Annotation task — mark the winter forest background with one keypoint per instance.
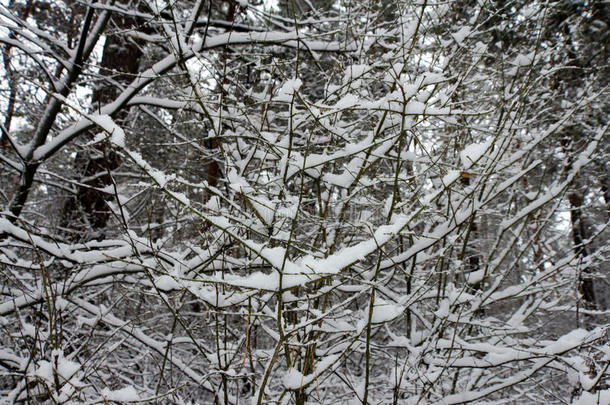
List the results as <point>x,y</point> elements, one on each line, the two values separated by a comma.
<point>304,201</point>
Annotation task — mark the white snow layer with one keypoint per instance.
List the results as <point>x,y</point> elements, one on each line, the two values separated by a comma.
<point>117,135</point>
<point>472,153</point>
<point>588,398</point>
<point>125,394</point>
<point>288,90</point>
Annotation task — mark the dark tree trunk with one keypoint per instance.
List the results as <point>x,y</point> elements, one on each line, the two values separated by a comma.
<point>580,234</point>
<point>120,60</point>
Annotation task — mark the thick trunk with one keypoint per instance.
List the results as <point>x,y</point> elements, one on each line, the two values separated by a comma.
<point>580,235</point>
<point>119,64</point>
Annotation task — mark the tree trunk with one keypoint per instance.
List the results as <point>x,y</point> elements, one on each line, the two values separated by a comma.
<point>580,234</point>
<point>120,59</point>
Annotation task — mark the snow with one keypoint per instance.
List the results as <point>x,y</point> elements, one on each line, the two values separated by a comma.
<point>167,283</point>
<point>443,309</point>
<point>385,312</point>
<point>433,78</point>
<point>415,107</point>
<point>308,268</point>
<point>275,256</point>
<point>524,60</point>
<point>104,121</point>
<point>158,176</point>
<point>236,252</point>
<point>266,209</point>
<point>60,365</point>
<point>450,177</point>
<point>347,101</point>
<point>340,180</point>
<point>294,379</point>
<point>288,90</point>
<point>44,371</point>
<point>472,153</point>
<point>354,71</point>
<point>606,351</point>
<point>568,341</point>
<point>126,394</point>
<point>237,182</point>
<point>460,35</point>
<point>407,91</point>
<point>475,277</point>
<point>587,398</point>
<point>283,38</point>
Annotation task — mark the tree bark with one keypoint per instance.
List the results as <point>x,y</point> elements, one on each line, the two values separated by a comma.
<point>120,61</point>
<point>581,234</point>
